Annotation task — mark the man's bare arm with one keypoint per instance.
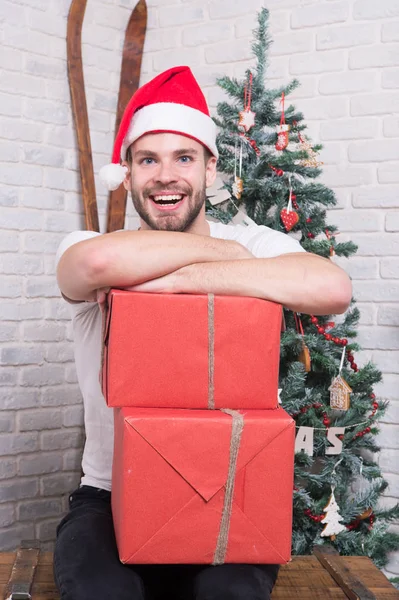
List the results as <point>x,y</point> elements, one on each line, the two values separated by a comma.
<point>302,282</point>
<point>126,258</point>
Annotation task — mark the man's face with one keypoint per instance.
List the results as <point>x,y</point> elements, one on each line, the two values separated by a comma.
<point>168,178</point>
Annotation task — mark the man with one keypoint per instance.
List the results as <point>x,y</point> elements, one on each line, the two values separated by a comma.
<point>167,145</point>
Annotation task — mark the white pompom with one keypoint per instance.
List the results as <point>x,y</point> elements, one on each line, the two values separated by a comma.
<point>112,175</point>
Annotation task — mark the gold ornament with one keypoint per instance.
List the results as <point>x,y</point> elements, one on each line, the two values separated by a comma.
<point>339,394</point>
<point>366,514</point>
<point>238,187</point>
<point>304,357</point>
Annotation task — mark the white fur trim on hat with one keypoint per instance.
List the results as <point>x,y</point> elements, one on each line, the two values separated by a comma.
<point>112,175</point>
<point>168,116</point>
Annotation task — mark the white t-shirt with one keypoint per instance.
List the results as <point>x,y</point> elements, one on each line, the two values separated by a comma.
<point>262,241</point>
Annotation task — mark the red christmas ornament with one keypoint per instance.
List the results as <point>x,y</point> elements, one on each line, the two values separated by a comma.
<point>282,139</point>
<point>289,218</point>
<point>282,132</point>
<point>310,235</point>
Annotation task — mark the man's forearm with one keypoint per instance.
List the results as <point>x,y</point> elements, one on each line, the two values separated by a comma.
<point>302,282</point>
<point>127,258</point>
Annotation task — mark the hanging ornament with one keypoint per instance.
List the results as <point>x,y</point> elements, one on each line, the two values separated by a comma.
<point>304,355</point>
<point>288,215</point>
<point>247,116</point>
<point>238,185</point>
<point>282,131</point>
<point>332,519</point>
<point>331,240</point>
<point>311,159</point>
<point>340,390</point>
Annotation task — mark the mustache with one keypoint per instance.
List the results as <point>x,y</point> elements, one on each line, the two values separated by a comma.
<point>186,190</point>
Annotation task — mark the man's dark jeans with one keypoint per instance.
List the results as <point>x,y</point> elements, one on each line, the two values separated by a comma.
<point>87,566</point>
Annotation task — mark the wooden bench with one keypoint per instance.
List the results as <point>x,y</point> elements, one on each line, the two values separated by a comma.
<point>304,578</point>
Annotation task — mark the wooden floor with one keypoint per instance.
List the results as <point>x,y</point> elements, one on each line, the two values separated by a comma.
<point>302,579</point>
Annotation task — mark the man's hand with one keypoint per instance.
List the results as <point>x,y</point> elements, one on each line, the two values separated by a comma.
<point>101,294</point>
<point>167,284</point>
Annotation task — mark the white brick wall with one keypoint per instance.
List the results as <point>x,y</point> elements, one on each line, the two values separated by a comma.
<point>346,54</point>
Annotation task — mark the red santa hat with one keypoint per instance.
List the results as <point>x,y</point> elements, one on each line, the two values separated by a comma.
<point>171,102</point>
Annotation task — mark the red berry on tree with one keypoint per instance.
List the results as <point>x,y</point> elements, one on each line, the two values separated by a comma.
<point>344,342</point>
<point>328,337</point>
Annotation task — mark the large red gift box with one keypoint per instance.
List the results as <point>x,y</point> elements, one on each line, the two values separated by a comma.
<point>203,487</point>
<point>190,351</point>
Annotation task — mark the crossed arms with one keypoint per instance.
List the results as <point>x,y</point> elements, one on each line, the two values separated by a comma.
<point>163,261</point>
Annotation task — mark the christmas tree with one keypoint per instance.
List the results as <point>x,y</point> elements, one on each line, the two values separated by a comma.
<point>269,168</point>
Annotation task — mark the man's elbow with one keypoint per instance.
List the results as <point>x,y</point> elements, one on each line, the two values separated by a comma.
<point>341,293</point>
<point>80,272</point>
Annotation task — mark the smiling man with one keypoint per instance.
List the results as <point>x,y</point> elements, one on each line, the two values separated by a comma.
<point>165,154</point>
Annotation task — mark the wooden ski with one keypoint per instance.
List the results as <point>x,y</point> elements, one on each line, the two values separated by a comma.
<point>346,578</point>
<point>79,111</point>
<point>129,82</point>
<point>20,582</point>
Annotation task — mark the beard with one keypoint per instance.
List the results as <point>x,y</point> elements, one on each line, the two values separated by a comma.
<point>171,222</point>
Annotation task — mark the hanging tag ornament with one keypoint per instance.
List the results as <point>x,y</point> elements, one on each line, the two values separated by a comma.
<point>247,116</point>
<point>282,131</point>
<point>288,216</point>
<point>340,390</point>
<point>238,185</point>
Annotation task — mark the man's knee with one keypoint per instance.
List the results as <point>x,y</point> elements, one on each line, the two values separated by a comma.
<point>235,582</point>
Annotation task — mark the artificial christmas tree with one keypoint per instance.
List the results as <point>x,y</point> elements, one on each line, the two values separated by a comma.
<point>266,158</point>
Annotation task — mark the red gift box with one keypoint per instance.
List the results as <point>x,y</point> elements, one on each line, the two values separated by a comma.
<point>190,351</point>
<point>178,496</point>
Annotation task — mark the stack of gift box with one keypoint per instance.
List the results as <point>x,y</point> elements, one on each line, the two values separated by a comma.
<point>203,455</point>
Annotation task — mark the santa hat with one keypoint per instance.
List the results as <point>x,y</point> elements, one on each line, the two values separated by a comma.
<point>171,102</point>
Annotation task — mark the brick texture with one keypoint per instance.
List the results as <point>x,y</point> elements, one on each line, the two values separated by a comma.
<point>346,55</point>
